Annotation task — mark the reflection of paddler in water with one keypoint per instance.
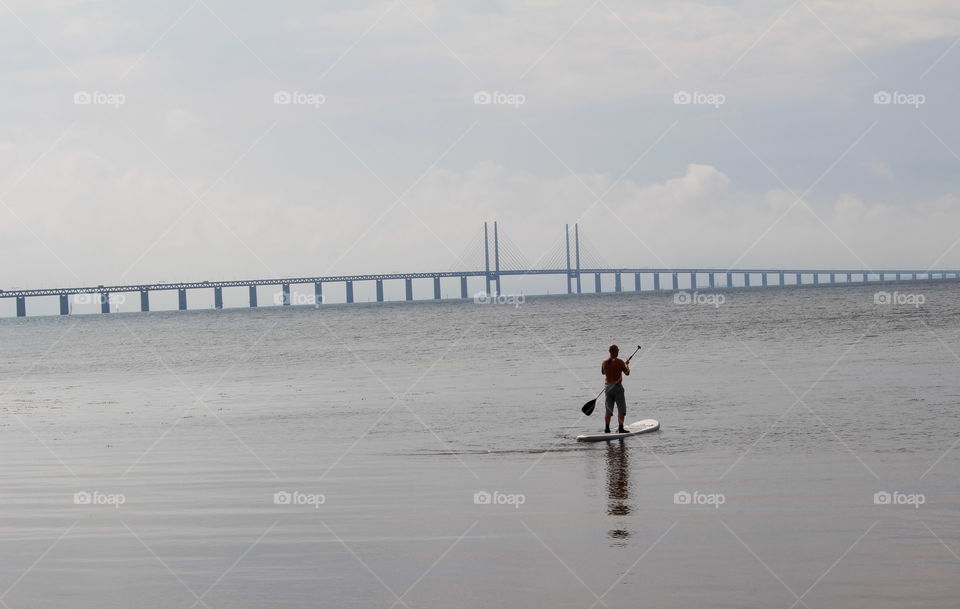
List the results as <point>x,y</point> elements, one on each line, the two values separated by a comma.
<point>618,486</point>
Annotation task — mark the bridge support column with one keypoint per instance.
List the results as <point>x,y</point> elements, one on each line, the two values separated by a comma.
<point>64,304</point>
<point>218,298</point>
<point>675,282</point>
<point>144,301</point>
<point>436,287</point>
<point>693,280</point>
<point>21,306</point>
<point>104,302</point>
<point>781,278</point>
<point>746,280</point>
<point>379,290</point>
<point>712,281</point>
<point>729,280</point>
<point>181,299</point>
<point>596,281</point>
<point>833,278</point>
<point>285,294</point>
<point>463,287</point>
<point>864,277</point>
<point>914,277</point>
<point>849,277</point>
<point>898,276</point>
<point>349,291</point>
<point>636,282</point>
<point>798,279</point>
<point>617,286</point>
<point>408,288</point>
<point>318,293</point>
<point>253,295</point>
<point>763,279</point>
<point>656,282</point>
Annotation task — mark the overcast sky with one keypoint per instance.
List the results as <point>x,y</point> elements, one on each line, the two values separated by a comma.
<point>183,166</point>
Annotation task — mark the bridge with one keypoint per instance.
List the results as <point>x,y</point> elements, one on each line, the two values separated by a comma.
<point>572,259</point>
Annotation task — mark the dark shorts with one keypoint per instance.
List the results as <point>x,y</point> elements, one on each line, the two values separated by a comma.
<point>616,396</point>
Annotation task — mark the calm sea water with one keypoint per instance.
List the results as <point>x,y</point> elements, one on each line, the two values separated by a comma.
<point>343,457</point>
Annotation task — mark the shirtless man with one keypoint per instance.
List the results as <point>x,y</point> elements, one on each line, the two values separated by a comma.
<point>613,368</point>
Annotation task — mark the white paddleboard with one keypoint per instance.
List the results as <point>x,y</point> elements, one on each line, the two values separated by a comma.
<point>633,429</point>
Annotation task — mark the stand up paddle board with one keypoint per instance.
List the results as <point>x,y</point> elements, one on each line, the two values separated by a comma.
<point>633,429</point>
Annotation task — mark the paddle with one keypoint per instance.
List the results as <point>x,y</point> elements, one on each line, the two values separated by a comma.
<point>589,406</point>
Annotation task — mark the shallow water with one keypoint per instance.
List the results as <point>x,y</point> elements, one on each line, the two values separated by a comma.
<point>790,408</point>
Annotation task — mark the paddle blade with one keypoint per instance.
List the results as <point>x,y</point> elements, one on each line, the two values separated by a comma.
<point>588,407</point>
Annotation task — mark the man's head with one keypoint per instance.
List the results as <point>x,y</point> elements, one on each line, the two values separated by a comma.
<point>614,351</point>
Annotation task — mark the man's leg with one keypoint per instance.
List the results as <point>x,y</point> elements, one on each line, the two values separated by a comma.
<point>609,399</point>
<point>621,409</point>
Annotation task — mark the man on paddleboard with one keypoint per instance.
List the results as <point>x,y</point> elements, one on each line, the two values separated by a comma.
<point>613,368</point>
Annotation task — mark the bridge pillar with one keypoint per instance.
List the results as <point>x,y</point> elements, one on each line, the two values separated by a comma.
<point>763,279</point>
<point>182,299</point>
<point>285,294</point>
<point>914,277</point>
<point>816,279</point>
<point>253,295</point>
<point>617,286</point>
<point>596,281</point>
<point>675,283</point>
<point>798,279</point>
<point>318,293</point>
<point>349,291</point>
<point>746,280</point>
<point>781,279</point>
<point>21,306</point>
<point>693,280</point>
<point>218,298</point>
<point>379,290</point>
<point>833,278</point>
<point>104,302</point>
<point>64,304</point>
<point>463,286</point>
<point>712,281</point>
<point>436,287</point>
<point>408,288</point>
<point>144,301</point>
<point>849,277</point>
<point>729,280</point>
<point>898,276</point>
<point>656,282</point>
<point>636,282</point>
<point>864,278</point>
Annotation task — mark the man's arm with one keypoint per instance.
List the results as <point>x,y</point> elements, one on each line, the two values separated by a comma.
<point>626,368</point>
<point>603,366</point>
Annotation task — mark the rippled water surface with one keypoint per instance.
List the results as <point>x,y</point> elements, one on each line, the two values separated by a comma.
<point>783,413</point>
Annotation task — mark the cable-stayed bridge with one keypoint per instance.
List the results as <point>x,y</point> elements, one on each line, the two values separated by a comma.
<point>495,256</point>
